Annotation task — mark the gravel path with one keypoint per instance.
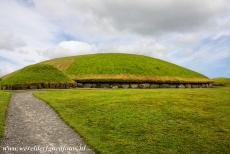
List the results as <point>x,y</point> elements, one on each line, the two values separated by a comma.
<point>32,123</point>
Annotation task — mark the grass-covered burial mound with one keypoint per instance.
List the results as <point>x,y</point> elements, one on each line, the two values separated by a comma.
<point>106,70</point>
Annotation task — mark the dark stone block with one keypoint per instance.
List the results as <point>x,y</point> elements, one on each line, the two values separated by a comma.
<point>80,85</point>
<point>67,86</point>
<point>180,86</point>
<point>87,85</point>
<point>114,86</point>
<point>194,85</point>
<point>46,85</point>
<point>52,85</point>
<point>203,85</point>
<point>39,86</point>
<point>24,86</point>
<point>125,85</point>
<point>188,85</point>
<point>104,85</point>
<point>4,87</point>
<point>32,86</point>
<point>9,87</point>
<point>164,85</point>
<point>172,85</point>
<point>72,85</point>
<point>120,85</point>
<point>199,85</point>
<point>63,85</point>
<point>133,85</point>
<point>94,85</point>
<point>144,85</point>
<point>154,85</point>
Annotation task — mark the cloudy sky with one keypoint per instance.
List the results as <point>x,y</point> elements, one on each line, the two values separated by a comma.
<point>191,33</point>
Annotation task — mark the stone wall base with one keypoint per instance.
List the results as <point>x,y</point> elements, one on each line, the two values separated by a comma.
<point>38,86</point>
<point>143,85</point>
<point>103,85</point>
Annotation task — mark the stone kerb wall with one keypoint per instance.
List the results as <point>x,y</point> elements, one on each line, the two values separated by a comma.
<point>142,85</point>
<point>38,86</point>
<point>103,85</point>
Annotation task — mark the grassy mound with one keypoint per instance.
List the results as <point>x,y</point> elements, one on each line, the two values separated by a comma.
<point>117,66</point>
<point>221,81</point>
<point>38,73</point>
<point>103,67</point>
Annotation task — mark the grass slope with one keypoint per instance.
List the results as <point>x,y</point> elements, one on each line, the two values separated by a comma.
<point>103,67</point>
<point>4,99</point>
<point>38,73</point>
<point>147,121</point>
<point>222,81</point>
<point>110,65</point>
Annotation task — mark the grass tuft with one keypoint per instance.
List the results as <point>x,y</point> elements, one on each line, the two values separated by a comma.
<point>4,99</point>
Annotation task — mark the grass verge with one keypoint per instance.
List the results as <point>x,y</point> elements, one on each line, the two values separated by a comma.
<point>147,120</point>
<point>222,82</point>
<point>4,99</point>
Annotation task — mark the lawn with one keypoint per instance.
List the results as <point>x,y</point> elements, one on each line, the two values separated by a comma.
<point>222,82</point>
<point>4,99</point>
<point>147,120</point>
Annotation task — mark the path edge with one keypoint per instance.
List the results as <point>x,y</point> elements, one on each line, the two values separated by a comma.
<point>68,124</point>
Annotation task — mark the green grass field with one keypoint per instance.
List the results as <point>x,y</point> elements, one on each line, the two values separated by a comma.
<point>147,120</point>
<point>4,99</point>
<point>222,81</point>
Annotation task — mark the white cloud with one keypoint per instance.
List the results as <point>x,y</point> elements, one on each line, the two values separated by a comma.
<point>70,48</point>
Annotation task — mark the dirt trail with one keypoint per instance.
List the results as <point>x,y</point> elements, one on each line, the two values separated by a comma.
<point>31,122</point>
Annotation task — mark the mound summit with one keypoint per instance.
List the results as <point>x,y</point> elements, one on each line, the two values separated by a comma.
<point>103,70</point>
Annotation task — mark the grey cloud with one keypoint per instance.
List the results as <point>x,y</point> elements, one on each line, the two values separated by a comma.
<point>153,16</point>
<point>9,42</point>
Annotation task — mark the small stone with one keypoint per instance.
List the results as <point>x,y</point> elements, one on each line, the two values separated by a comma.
<point>125,85</point>
<point>164,85</point>
<point>154,85</point>
<point>194,86</point>
<point>181,86</point>
<point>133,85</point>
<point>144,85</point>
<point>188,85</point>
<point>79,85</point>
<point>114,86</point>
<point>87,85</point>
<point>104,85</point>
<point>172,86</point>
<point>52,85</point>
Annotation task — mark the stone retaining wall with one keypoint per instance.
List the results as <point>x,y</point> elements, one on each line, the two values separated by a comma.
<point>38,86</point>
<point>142,85</point>
<point>103,85</point>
